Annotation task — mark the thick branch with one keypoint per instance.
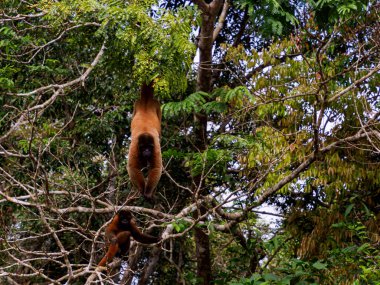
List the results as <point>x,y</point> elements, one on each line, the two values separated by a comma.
<point>221,20</point>
<point>70,83</point>
<point>355,84</point>
<point>202,5</point>
<point>259,68</point>
<point>237,217</point>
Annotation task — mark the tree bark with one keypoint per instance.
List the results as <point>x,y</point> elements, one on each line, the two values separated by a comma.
<point>202,244</point>
<point>150,266</point>
<point>205,43</point>
<point>134,256</point>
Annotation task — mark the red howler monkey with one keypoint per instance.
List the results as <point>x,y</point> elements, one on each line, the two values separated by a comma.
<point>118,235</point>
<point>145,149</point>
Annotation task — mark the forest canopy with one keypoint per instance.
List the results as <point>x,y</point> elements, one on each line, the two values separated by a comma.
<point>270,108</point>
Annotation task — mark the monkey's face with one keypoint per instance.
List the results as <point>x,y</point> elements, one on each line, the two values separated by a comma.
<point>124,219</point>
<point>124,223</point>
<point>146,150</point>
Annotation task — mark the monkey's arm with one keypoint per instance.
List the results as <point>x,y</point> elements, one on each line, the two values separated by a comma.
<point>112,229</point>
<point>141,237</point>
<point>134,109</point>
<point>111,239</point>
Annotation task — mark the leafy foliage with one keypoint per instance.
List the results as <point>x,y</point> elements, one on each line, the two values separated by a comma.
<point>292,123</point>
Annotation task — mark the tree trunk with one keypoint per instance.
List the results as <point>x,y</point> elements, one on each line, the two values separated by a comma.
<point>134,256</point>
<point>202,243</point>
<point>150,266</point>
<point>205,44</point>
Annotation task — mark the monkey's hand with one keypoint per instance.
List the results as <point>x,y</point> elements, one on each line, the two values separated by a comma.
<point>113,240</point>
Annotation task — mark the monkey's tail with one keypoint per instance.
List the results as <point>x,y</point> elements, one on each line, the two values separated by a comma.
<point>147,91</point>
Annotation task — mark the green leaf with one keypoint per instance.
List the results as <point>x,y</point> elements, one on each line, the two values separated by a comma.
<point>319,265</point>
<point>193,103</point>
<point>270,277</point>
<point>364,247</point>
<point>348,210</point>
<point>6,83</point>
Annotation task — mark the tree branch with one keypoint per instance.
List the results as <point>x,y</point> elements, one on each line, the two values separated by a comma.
<point>59,88</point>
<point>202,5</point>
<point>354,84</point>
<point>221,20</point>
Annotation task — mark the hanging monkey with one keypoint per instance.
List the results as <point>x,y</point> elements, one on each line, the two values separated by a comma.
<point>145,149</point>
<point>118,235</point>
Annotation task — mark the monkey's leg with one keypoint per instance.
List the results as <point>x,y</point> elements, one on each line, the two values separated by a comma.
<point>154,175</point>
<point>134,167</point>
<point>112,250</point>
<point>152,181</point>
<point>121,242</point>
<point>137,178</point>
<point>124,240</point>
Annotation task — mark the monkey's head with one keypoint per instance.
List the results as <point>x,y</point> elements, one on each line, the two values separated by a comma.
<point>124,218</point>
<point>146,146</point>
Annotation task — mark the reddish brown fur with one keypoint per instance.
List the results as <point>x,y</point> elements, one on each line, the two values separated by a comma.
<point>146,120</point>
<point>118,236</point>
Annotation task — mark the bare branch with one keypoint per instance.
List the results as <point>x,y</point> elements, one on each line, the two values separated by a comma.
<point>59,89</point>
<point>354,84</point>
<point>221,20</point>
